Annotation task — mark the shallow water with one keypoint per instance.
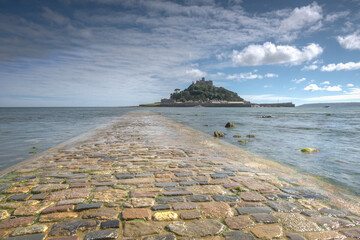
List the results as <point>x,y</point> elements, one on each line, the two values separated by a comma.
<point>278,138</point>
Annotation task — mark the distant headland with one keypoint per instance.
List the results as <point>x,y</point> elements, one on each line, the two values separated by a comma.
<point>203,93</point>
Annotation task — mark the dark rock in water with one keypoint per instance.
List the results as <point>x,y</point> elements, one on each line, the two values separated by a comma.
<point>250,136</point>
<point>206,125</point>
<point>230,125</point>
<point>243,141</point>
<point>236,136</point>
<point>219,134</point>
<point>266,116</point>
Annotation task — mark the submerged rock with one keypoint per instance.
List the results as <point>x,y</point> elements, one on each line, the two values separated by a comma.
<point>309,150</point>
<point>230,125</point>
<point>219,134</point>
<point>266,116</point>
<point>250,136</point>
<point>243,141</point>
<point>236,136</point>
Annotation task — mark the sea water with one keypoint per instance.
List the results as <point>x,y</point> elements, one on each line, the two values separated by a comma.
<point>334,131</point>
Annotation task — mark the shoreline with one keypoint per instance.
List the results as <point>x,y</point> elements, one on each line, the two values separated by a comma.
<point>134,166</point>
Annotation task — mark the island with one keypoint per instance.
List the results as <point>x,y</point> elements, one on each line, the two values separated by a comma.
<point>203,93</point>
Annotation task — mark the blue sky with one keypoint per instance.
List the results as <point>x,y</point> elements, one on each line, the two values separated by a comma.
<point>127,52</point>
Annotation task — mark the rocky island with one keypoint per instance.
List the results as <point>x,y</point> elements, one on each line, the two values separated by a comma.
<point>203,93</point>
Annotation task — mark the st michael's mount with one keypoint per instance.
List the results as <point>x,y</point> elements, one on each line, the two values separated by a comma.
<point>203,93</point>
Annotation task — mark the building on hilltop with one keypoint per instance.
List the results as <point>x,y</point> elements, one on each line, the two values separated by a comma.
<point>204,82</point>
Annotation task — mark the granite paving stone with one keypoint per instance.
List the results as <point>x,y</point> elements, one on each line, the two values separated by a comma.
<point>190,215</point>
<point>28,237</point>
<point>136,213</point>
<point>239,222</point>
<point>164,200</point>
<point>216,210</point>
<point>285,206</point>
<point>250,210</point>
<point>160,207</point>
<point>29,230</point>
<point>293,236</point>
<point>19,197</point>
<point>50,188</point>
<point>252,197</point>
<point>4,214</point>
<point>332,212</point>
<point>70,228</point>
<point>138,229</point>
<point>225,198</point>
<point>161,237</point>
<point>267,231</point>
<point>200,228</point>
<point>87,206</point>
<point>352,233</point>
<point>110,224</point>
<point>165,216</point>
<point>102,214</point>
<point>57,216</point>
<point>198,198</point>
<point>142,202</point>
<point>264,218</point>
<point>101,235</point>
<point>238,235</point>
<point>297,223</point>
<point>325,235</point>
<point>184,206</point>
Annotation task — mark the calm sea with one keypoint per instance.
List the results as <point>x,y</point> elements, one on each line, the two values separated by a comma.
<point>334,131</point>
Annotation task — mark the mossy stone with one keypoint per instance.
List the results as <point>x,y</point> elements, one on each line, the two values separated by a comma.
<point>230,125</point>
<point>309,150</point>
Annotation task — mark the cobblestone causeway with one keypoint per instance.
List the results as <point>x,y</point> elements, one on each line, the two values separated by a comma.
<point>148,177</point>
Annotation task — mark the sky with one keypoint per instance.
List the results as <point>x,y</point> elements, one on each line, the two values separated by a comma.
<point>127,52</point>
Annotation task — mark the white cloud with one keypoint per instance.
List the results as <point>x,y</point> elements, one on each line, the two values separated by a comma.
<point>244,76</point>
<point>310,67</point>
<point>195,73</point>
<point>297,81</point>
<point>353,94</point>
<point>266,98</point>
<point>335,16</point>
<point>341,66</point>
<point>271,75</point>
<point>334,88</point>
<point>269,53</point>
<point>325,83</point>
<point>351,42</point>
<point>313,87</point>
<point>267,86</point>
<point>350,85</point>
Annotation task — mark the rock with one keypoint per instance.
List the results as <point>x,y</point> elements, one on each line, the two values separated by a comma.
<point>29,230</point>
<point>216,210</point>
<point>110,196</point>
<point>225,198</point>
<point>63,208</point>
<point>264,218</point>
<point>163,200</point>
<point>4,214</point>
<point>324,235</point>
<point>57,216</point>
<point>137,229</point>
<point>295,237</point>
<point>238,235</point>
<point>124,176</point>
<point>249,210</point>
<point>267,231</point>
<point>330,223</point>
<point>198,198</point>
<point>87,206</point>
<point>285,206</point>
<point>239,222</point>
<point>102,214</point>
<point>70,201</point>
<point>218,175</point>
<point>190,215</point>
<point>353,233</point>
<point>161,237</point>
<point>218,134</point>
<point>297,223</point>
<point>250,136</point>
<point>266,116</point>
<point>142,202</point>
<point>178,193</point>
<point>70,228</point>
<point>230,125</point>
<point>184,174</point>
<point>209,190</point>
<point>69,194</point>
<point>50,188</point>
<point>236,136</point>
<point>184,206</point>
<point>165,216</point>
<point>243,141</point>
<point>252,197</point>
<point>110,224</point>
<point>200,228</point>
<point>309,150</point>
<point>31,210</point>
<point>166,184</point>
<point>136,213</point>
<point>28,237</point>
<point>101,235</point>
<point>332,212</point>
<point>160,207</point>
<point>19,197</point>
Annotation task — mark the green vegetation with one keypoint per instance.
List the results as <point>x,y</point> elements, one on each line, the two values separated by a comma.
<point>309,150</point>
<point>230,125</point>
<point>204,92</point>
<point>152,104</point>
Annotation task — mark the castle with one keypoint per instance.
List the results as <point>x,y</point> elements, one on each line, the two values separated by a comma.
<point>204,82</point>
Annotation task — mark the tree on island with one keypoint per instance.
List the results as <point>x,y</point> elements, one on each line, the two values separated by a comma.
<point>204,93</point>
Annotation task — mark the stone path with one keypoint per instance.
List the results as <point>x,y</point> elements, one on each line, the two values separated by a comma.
<point>147,177</point>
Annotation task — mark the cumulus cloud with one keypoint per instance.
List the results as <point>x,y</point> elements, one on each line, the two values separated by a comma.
<point>297,81</point>
<point>351,41</point>
<point>269,53</point>
<point>244,76</point>
<point>310,67</point>
<point>350,85</point>
<point>353,94</point>
<point>195,73</point>
<point>341,66</point>
<point>325,83</point>
<point>332,17</point>
<point>271,75</point>
<point>314,87</point>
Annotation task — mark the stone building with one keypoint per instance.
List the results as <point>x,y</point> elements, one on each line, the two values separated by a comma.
<point>204,82</point>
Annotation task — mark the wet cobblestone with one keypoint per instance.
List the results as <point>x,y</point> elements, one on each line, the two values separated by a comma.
<point>143,178</point>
